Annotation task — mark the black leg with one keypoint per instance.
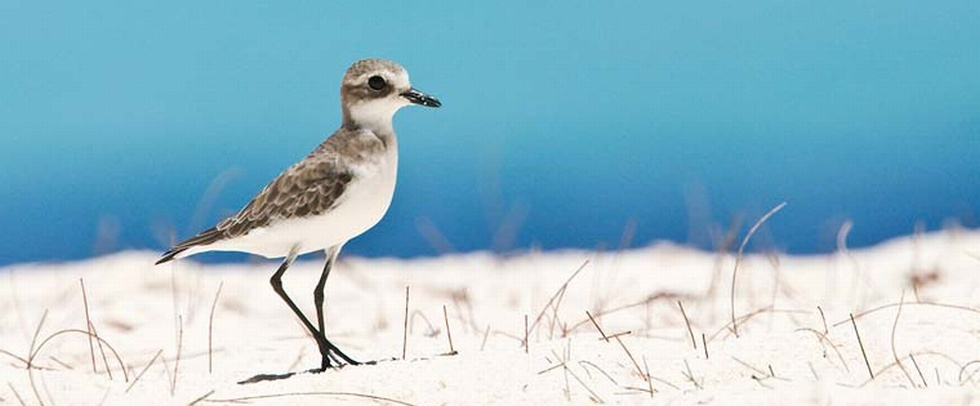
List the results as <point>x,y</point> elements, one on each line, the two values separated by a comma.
<point>276,281</point>
<point>332,254</point>
<point>318,291</point>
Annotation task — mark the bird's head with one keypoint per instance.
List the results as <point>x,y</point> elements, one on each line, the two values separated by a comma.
<point>374,89</point>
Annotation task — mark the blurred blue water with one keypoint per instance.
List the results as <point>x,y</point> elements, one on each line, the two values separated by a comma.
<point>563,122</point>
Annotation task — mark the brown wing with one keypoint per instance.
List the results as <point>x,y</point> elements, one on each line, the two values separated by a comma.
<point>311,187</point>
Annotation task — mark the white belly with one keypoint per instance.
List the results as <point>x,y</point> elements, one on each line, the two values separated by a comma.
<point>363,204</point>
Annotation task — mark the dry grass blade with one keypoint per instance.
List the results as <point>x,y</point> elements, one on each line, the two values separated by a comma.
<point>299,394</point>
<point>105,361</point>
<point>527,337</point>
<point>417,314</point>
<point>405,327</point>
<point>964,368</point>
<point>201,398</point>
<point>632,359</point>
<point>14,356</point>
<point>16,395</point>
<point>749,366</point>
<point>646,369</point>
<point>551,368</point>
<point>704,344</point>
<point>88,324</point>
<point>486,335</point>
<point>449,334</point>
<point>146,368</point>
<point>557,293</point>
<point>919,370</point>
<point>60,362</point>
<point>37,350</point>
<point>741,252</point>
<point>824,339</point>
<point>34,349</point>
<point>894,352</point>
<point>687,322</point>
<point>180,348</point>
<point>824,319</point>
<point>690,375</point>
<point>659,296</point>
<point>596,324</point>
<point>595,396</point>
<point>584,363</point>
<point>211,326</point>
<point>890,305</point>
<point>893,364</point>
<point>744,318</point>
<point>861,343</point>
<point>621,333</point>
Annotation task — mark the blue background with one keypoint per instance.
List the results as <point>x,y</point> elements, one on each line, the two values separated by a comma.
<point>125,124</point>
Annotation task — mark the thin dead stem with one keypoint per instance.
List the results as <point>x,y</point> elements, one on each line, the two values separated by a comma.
<point>37,350</point>
<point>180,348</point>
<point>527,334</point>
<point>16,395</point>
<point>486,334</point>
<point>728,327</point>
<point>823,318</point>
<point>824,339</point>
<point>105,361</point>
<point>30,357</point>
<point>632,359</point>
<point>649,299</point>
<point>201,398</point>
<point>88,325</point>
<point>646,369</point>
<point>584,363</point>
<point>14,356</point>
<point>861,343</point>
<point>687,322</point>
<point>894,352</point>
<point>890,305</point>
<point>581,382</point>
<point>919,370</point>
<point>405,327</point>
<point>596,324</point>
<point>690,375</point>
<point>556,295</point>
<point>963,369</point>
<point>738,258</point>
<point>214,304</point>
<point>143,371</point>
<point>355,395</point>
<point>449,334</point>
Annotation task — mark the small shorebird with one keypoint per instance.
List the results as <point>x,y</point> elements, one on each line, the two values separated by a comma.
<point>337,192</point>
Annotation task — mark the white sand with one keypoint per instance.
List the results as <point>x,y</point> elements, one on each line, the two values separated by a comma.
<point>136,308</point>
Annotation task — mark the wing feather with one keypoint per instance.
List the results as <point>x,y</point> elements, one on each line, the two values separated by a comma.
<point>311,187</point>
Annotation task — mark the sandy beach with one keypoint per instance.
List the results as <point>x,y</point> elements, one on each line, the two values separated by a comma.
<point>165,335</point>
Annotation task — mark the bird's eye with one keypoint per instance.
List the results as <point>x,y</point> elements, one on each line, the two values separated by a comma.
<point>376,82</point>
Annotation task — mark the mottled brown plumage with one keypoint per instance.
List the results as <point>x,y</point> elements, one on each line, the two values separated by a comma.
<point>310,187</point>
<point>338,191</point>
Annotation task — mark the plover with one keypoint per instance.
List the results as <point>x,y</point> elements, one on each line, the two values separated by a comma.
<point>340,190</point>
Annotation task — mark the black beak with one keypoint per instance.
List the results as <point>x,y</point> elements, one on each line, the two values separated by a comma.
<point>416,97</point>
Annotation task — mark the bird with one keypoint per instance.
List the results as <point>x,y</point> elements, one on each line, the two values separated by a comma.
<point>337,192</point>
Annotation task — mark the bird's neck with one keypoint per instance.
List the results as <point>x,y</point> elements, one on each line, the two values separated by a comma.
<point>376,117</point>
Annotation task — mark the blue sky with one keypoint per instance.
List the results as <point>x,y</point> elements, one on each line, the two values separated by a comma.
<point>568,119</point>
